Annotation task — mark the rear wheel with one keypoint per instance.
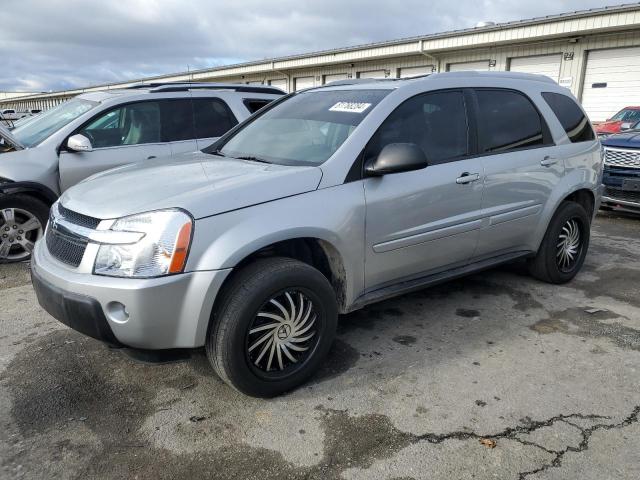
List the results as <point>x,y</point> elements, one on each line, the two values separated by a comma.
<point>22,222</point>
<point>564,246</point>
<point>275,324</point>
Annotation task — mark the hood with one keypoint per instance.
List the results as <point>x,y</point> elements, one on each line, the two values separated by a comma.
<point>200,183</point>
<point>9,139</point>
<point>623,140</point>
<point>609,127</point>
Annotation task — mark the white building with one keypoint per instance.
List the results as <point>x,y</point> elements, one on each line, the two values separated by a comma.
<point>595,53</point>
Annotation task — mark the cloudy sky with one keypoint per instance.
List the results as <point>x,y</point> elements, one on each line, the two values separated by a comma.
<point>58,44</point>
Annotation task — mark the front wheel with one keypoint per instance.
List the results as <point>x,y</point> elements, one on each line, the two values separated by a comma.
<point>275,324</point>
<point>564,247</point>
<point>22,222</point>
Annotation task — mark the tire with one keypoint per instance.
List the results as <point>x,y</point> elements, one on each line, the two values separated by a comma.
<point>550,264</point>
<point>16,244</point>
<point>247,304</point>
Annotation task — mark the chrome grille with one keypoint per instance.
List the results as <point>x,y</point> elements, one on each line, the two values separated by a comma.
<point>62,244</point>
<point>78,218</point>
<point>65,248</point>
<point>622,158</point>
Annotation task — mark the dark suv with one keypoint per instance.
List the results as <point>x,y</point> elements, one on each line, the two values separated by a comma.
<point>622,170</point>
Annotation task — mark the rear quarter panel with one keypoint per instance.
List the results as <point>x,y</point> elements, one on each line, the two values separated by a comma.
<point>582,166</point>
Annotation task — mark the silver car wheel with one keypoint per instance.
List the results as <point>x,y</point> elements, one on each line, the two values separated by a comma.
<point>569,245</point>
<point>282,333</point>
<point>19,230</point>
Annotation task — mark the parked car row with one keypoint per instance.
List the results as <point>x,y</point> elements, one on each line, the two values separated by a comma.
<point>322,202</point>
<point>9,116</point>
<point>98,131</point>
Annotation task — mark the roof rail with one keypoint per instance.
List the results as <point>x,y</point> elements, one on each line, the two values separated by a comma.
<point>185,86</point>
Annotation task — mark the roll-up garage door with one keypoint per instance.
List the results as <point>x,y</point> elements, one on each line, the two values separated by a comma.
<point>482,65</point>
<point>611,82</point>
<point>548,65</point>
<point>415,71</point>
<point>372,74</point>
<point>303,82</point>
<point>334,77</point>
<point>280,83</point>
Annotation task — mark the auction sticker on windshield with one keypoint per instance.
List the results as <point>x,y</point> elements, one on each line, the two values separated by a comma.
<point>350,107</point>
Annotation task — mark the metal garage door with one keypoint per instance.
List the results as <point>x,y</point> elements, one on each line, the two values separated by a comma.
<point>414,71</point>
<point>372,74</point>
<point>280,83</point>
<point>548,65</point>
<point>611,82</point>
<point>303,82</point>
<point>334,77</point>
<point>482,65</point>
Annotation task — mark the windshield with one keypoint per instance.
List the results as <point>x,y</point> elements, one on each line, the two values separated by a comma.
<point>305,129</point>
<point>627,116</point>
<point>49,122</point>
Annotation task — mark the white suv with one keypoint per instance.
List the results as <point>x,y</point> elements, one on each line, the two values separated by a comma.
<point>98,131</point>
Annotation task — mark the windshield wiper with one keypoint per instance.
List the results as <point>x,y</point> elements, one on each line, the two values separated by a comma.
<point>252,159</point>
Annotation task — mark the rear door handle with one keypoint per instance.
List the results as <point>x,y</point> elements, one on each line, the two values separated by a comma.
<point>467,177</point>
<point>548,161</point>
<point>150,157</point>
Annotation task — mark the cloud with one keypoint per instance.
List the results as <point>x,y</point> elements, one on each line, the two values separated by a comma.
<point>60,44</point>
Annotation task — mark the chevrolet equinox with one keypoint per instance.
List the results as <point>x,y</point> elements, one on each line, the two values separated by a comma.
<point>326,200</point>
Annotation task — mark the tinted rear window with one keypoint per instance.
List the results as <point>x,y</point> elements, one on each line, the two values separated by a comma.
<point>507,121</point>
<point>213,117</point>
<point>177,120</point>
<point>571,117</point>
<point>255,104</point>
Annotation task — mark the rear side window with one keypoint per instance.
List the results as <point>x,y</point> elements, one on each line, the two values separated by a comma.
<point>213,117</point>
<point>436,122</point>
<point>255,104</point>
<point>571,117</point>
<point>177,120</point>
<point>507,121</point>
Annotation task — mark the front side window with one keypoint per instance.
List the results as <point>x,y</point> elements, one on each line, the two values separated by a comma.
<point>507,121</point>
<point>570,116</point>
<point>132,124</point>
<point>436,122</point>
<point>47,123</point>
<point>305,129</point>
<point>213,118</point>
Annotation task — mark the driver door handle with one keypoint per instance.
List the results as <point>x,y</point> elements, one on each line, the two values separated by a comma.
<point>467,177</point>
<point>151,157</point>
<point>548,161</point>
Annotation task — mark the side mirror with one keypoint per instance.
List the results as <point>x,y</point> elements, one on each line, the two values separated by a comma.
<point>79,143</point>
<point>396,158</point>
<point>626,126</point>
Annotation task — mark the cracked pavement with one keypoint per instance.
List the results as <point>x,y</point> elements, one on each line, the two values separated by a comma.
<point>418,387</point>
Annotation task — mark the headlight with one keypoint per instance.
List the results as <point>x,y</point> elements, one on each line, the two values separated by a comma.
<point>162,251</point>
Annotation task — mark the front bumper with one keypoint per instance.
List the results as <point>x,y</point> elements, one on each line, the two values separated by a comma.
<point>157,313</point>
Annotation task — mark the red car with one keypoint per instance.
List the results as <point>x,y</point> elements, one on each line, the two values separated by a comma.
<point>628,115</point>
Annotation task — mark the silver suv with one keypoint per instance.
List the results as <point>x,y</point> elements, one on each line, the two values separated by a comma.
<point>47,154</point>
<point>325,201</point>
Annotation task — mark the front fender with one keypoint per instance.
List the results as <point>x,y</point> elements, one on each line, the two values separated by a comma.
<point>334,215</point>
<point>37,189</point>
